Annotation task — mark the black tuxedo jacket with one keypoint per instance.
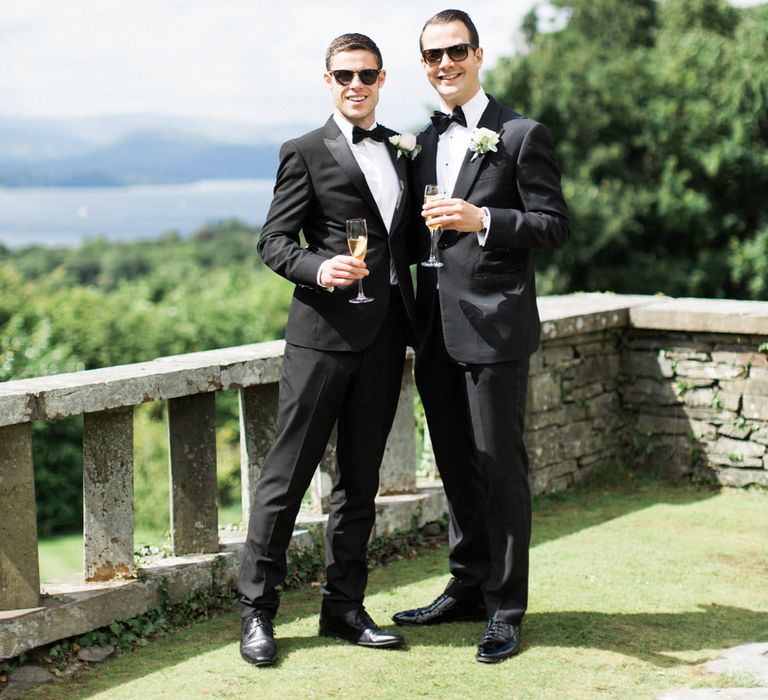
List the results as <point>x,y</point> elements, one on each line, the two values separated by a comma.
<point>488,294</point>
<point>320,185</point>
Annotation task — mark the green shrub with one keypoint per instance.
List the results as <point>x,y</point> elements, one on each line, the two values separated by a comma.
<point>104,304</point>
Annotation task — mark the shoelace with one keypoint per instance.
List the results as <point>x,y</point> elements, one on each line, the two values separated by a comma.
<point>495,629</point>
<point>436,604</point>
<point>259,620</point>
<point>366,619</point>
<point>439,600</point>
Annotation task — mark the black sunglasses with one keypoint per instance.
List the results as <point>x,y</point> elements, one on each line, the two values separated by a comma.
<point>344,77</point>
<point>457,52</point>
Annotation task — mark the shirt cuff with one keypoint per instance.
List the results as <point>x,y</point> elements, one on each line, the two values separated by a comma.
<point>319,277</point>
<point>482,234</point>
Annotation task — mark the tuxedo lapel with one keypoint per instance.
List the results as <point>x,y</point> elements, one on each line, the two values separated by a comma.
<point>338,147</point>
<point>400,169</point>
<point>427,159</point>
<point>490,119</point>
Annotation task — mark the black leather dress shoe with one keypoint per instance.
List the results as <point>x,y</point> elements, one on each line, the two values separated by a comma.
<point>257,644</point>
<point>356,626</point>
<point>500,641</point>
<point>445,608</point>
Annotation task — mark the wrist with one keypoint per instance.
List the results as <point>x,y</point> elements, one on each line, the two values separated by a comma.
<point>485,220</point>
<point>322,282</point>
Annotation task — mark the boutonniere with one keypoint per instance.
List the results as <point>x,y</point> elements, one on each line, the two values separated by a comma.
<point>406,145</point>
<point>482,141</point>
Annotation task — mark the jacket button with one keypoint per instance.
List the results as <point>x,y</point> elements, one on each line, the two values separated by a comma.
<point>442,245</point>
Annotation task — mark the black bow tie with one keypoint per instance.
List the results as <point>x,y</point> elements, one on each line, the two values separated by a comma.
<point>442,121</point>
<point>378,133</point>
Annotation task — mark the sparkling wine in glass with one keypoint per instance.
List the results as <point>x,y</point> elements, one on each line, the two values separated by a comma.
<point>432,193</point>
<point>357,240</point>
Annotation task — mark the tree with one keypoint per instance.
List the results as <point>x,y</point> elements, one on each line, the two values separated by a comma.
<point>659,112</point>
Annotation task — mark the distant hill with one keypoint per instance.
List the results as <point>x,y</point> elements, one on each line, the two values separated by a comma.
<point>109,152</point>
<point>143,158</point>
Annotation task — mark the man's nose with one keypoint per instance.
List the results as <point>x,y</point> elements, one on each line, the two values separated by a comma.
<point>445,60</point>
<point>356,80</point>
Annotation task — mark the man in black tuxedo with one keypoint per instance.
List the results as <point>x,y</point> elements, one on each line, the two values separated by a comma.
<point>478,324</point>
<point>343,362</point>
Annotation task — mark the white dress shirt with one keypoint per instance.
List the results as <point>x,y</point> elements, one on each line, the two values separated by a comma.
<point>380,174</point>
<point>452,147</point>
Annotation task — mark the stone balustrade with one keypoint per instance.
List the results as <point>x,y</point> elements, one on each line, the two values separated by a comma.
<point>670,382</point>
<point>31,614</point>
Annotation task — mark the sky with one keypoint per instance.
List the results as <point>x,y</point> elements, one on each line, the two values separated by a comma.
<point>247,61</point>
<point>242,60</point>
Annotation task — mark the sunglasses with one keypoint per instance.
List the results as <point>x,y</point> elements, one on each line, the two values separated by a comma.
<point>457,52</point>
<point>344,77</point>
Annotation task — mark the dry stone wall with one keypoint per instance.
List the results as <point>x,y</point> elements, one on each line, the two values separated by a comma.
<point>573,418</point>
<point>699,403</point>
<point>671,384</point>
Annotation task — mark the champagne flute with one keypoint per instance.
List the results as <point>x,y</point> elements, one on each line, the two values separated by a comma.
<point>432,193</point>
<point>357,240</point>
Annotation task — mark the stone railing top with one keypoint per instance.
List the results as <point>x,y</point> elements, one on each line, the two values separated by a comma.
<point>575,314</point>
<point>703,316</point>
<point>75,393</point>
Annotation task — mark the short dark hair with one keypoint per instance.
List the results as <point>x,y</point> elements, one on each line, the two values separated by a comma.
<point>352,42</point>
<point>447,16</point>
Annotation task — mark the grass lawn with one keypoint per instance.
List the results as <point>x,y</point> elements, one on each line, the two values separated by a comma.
<point>634,585</point>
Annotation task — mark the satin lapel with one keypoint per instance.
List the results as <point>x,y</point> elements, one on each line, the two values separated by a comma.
<point>490,119</point>
<point>426,160</point>
<point>400,169</point>
<point>339,149</point>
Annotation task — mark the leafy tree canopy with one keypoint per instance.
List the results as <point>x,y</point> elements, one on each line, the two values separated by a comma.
<point>660,115</point>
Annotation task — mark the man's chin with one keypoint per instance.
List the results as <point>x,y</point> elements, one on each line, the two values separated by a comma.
<point>356,117</point>
<point>445,90</point>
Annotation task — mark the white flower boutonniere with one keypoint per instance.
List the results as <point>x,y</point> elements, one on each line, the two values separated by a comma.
<point>406,145</point>
<point>482,141</point>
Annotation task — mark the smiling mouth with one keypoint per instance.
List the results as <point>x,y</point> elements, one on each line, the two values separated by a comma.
<point>448,77</point>
<point>357,99</point>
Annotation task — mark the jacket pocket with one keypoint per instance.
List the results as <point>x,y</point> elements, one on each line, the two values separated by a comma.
<point>495,262</point>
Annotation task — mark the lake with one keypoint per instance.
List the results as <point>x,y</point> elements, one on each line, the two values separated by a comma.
<point>65,216</point>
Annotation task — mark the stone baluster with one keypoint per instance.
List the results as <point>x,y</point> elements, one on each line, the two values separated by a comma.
<point>19,569</point>
<point>192,441</point>
<point>108,494</point>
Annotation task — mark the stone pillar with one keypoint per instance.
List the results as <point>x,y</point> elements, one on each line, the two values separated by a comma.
<point>324,478</point>
<point>19,570</point>
<point>398,468</point>
<point>108,494</point>
<point>427,464</point>
<point>192,442</point>
<point>258,422</point>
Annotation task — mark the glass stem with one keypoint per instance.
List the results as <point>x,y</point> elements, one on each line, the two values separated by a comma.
<point>433,244</point>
